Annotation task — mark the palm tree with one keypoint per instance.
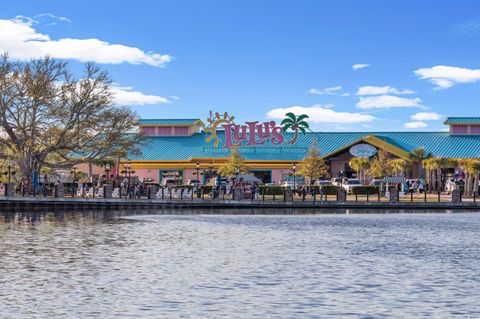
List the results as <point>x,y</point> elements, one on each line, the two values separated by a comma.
<point>417,156</point>
<point>434,165</point>
<point>295,124</point>
<point>471,167</point>
<point>466,165</point>
<point>360,165</point>
<point>400,166</point>
<point>430,165</point>
<point>476,172</point>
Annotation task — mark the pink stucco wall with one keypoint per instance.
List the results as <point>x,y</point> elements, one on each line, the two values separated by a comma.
<point>96,170</point>
<point>165,130</point>
<point>278,173</point>
<point>147,173</point>
<point>465,129</point>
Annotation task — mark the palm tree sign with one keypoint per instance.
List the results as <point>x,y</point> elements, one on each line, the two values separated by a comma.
<point>295,124</point>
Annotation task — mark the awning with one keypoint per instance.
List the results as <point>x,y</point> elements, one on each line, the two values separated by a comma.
<point>394,180</point>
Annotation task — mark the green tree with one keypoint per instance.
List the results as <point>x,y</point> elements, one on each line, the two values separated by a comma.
<point>361,166</point>
<point>471,168</point>
<point>381,165</point>
<point>417,156</point>
<point>434,166</point>
<point>236,161</point>
<point>400,166</point>
<point>295,124</point>
<point>50,119</point>
<point>313,166</point>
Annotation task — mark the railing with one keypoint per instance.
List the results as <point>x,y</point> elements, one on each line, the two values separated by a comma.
<point>254,194</point>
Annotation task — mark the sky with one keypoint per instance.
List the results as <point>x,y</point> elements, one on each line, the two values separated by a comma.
<point>349,65</point>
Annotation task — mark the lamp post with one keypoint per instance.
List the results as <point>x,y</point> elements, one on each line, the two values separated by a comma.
<point>294,169</point>
<point>197,167</point>
<point>10,171</point>
<point>73,172</point>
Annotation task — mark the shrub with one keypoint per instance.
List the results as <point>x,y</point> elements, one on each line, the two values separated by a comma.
<point>363,190</point>
<point>182,186</point>
<point>270,190</point>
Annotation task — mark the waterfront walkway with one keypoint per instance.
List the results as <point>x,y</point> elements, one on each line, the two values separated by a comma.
<point>13,204</point>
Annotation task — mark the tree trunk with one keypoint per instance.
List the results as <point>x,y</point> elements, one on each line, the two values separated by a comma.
<point>475,184</point>
<point>467,184</point>
<point>433,180</point>
<point>439,180</point>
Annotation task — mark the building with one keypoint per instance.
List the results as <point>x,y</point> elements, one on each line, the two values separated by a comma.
<point>177,149</point>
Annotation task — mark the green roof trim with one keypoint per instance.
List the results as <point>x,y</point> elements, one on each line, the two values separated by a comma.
<point>462,120</point>
<point>442,144</point>
<point>168,122</point>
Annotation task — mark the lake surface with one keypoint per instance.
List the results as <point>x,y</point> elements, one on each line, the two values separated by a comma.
<point>240,266</point>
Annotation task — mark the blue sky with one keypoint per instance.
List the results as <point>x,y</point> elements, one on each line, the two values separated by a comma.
<point>260,59</point>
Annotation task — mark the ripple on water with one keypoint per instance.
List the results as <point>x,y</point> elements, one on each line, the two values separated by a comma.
<point>240,266</point>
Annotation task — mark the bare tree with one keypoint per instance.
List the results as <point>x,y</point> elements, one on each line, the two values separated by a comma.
<point>49,118</point>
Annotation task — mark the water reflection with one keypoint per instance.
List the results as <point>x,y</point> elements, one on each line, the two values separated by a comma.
<point>198,264</point>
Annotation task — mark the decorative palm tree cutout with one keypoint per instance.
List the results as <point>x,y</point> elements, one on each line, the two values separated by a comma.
<point>295,124</point>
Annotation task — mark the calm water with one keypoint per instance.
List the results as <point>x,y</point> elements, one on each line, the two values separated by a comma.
<point>240,266</point>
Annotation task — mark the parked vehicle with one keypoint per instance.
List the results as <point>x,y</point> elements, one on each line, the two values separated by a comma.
<point>288,184</point>
<point>320,182</point>
<point>337,181</point>
<point>453,184</point>
<point>272,184</point>
<point>351,183</point>
<point>375,182</point>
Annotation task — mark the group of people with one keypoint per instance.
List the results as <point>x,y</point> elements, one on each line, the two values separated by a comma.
<point>415,185</point>
<point>251,189</point>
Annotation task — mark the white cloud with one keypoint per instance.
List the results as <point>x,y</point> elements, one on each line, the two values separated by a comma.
<point>387,101</point>
<point>127,96</point>
<point>321,114</point>
<point>444,76</point>
<point>415,124</point>
<point>426,116</point>
<point>174,97</point>
<point>469,28</point>
<point>23,42</point>
<point>360,66</point>
<point>378,90</point>
<point>335,90</point>
<point>52,16</point>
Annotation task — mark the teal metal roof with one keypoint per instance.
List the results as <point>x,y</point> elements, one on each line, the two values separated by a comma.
<point>187,147</point>
<point>167,121</point>
<point>462,120</point>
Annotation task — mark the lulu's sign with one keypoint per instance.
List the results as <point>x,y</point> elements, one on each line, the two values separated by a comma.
<point>254,133</point>
<point>363,150</point>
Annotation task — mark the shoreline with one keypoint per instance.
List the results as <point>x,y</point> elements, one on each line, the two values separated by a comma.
<point>25,204</point>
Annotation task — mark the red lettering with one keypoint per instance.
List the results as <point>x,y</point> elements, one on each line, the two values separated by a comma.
<point>228,137</point>
<point>277,136</point>
<point>240,136</point>
<point>263,131</point>
<point>253,136</point>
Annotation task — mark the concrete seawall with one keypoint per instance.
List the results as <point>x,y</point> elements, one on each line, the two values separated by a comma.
<point>14,204</point>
